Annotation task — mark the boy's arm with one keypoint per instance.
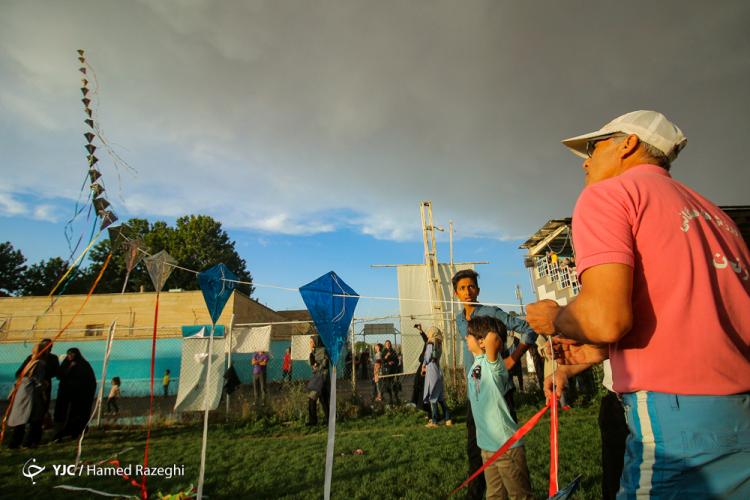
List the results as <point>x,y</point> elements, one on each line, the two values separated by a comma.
<point>492,346</point>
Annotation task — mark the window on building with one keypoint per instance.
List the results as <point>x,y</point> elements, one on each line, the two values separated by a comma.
<point>574,284</point>
<point>94,330</point>
<point>565,277</point>
<point>541,267</point>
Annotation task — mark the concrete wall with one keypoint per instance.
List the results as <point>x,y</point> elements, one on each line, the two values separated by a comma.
<point>32,318</point>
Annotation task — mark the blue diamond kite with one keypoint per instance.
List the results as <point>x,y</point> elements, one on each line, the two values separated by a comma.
<point>331,303</point>
<point>216,290</point>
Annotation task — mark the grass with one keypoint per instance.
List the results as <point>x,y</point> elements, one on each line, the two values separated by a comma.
<point>267,459</point>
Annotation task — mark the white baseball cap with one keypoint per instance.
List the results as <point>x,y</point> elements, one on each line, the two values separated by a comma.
<point>651,127</point>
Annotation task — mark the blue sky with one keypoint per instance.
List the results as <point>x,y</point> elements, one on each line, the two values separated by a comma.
<point>312,130</point>
<point>293,260</point>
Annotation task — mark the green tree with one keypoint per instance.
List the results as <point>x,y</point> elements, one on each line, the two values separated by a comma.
<point>12,267</point>
<point>197,242</point>
<point>40,278</point>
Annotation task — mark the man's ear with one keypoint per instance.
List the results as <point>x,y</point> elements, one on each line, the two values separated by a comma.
<point>628,146</point>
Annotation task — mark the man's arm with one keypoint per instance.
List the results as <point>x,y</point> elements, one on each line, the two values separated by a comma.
<point>601,314</point>
<point>516,324</point>
<point>515,356</point>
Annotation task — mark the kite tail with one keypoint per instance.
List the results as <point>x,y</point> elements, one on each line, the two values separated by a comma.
<point>144,491</point>
<point>521,432</point>
<point>49,347</point>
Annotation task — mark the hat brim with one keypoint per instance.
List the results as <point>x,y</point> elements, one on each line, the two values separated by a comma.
<point>577,145</point>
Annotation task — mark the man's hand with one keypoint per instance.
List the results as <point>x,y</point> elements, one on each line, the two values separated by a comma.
<point>541,316</point>
<point>561,381</point>
<point>570,352</point>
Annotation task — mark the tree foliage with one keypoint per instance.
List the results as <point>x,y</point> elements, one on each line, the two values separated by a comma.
<point>40,278</point>
<point>12,268</point>
<point>197,242</point>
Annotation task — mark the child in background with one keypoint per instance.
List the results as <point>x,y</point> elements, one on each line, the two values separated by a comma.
<point>165,382</point>
<point>286,367</point>
<point>488,381</point>
<point>114,395</point>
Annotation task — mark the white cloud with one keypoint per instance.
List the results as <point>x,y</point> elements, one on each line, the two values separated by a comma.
<point>10,207</point>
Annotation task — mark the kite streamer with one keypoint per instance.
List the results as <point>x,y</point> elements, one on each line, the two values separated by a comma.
<point>521,432</point>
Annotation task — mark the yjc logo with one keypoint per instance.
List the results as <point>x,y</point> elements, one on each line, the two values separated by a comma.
<point>31,470</point>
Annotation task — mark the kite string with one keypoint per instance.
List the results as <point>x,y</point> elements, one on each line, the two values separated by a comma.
<point>144,491</point>
<point>370,297</point>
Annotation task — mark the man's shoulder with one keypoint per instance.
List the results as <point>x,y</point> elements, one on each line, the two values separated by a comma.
<point>483,310</point>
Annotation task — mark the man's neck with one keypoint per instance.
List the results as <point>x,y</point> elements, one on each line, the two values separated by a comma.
<point>469,308</point>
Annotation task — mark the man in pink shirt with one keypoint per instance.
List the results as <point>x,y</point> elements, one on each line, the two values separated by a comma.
<point>665,295</point>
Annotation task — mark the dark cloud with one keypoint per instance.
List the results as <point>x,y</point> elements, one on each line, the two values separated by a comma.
<point>307,116</point>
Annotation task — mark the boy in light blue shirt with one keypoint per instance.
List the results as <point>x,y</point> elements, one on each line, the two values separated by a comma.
<point>488,380</point>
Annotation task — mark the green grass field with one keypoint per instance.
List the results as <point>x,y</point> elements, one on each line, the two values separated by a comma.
<point>402,459</point>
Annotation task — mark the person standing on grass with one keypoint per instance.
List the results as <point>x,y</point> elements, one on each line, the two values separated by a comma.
<point>417,397</point>
<point>286,366</point>
<point>319,386</point>
<point>165,382</point>
<point>75,395</point>
<point>377,366</point>
<point>260,362</point>
<point>390,368</point>
<point>487,383</point>
<point>665,294</point>
<point>30,403</point>
<point>434,392</point>
<point>466,290</point>
<point>114,395</point>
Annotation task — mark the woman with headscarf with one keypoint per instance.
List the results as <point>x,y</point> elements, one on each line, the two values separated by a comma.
<point>75,394</point>
<point>30,402</point>
<point>417,397</point>
<point>433,382</point>
<point>390,367</point>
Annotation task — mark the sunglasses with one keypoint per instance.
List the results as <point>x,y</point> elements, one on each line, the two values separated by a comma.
<point>591,145</point>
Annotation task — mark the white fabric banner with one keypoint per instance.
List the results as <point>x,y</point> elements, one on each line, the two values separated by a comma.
<point>414,283</point>
<point>301,347</point>
<point>193,367</point>
<point>247,340</point>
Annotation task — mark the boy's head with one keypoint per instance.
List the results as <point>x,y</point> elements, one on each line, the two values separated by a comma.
<point>166,372</point>
<point>479,328</point>
<point>116,381</point>
<point>465,285</point>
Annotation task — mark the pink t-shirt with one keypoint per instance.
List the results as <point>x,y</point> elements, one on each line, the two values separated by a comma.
<point>691,282</point>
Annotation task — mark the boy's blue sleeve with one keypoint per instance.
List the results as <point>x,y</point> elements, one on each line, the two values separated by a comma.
<point>528,335</point>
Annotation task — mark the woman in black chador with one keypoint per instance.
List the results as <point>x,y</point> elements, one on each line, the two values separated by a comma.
<point>75,395</point>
